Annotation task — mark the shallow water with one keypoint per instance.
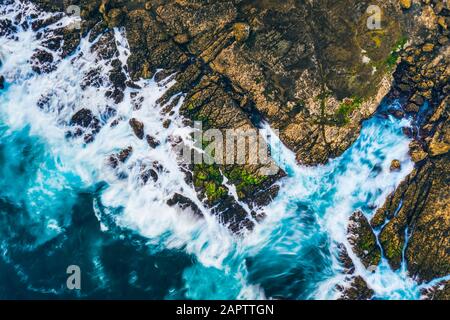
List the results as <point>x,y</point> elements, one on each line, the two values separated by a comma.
<point>62,204</point>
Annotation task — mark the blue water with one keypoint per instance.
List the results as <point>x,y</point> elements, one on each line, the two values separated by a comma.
<point>61,205</point>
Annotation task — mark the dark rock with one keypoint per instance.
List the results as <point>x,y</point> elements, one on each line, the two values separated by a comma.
<point>412,108</point>
<point>2,82</point>
<point>138,128</point>
<point>84,118</point>
<point>395,165</point>
<point>416,151</point>
<point>345,260</point>
<point>166,123</point>
<point>423,213</point>
<point>357,290</point>
<point>441,291</point>
<point>363,240</point>
<point>121,157</point>
<point>152,141</point>
<point>184,203</point>
<point>42,61</point>
<point>149,173</point>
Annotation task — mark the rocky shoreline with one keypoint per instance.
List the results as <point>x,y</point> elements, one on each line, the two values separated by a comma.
<point>314,72</point>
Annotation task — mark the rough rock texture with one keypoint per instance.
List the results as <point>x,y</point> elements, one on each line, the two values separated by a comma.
<point>313,70</point>
<point>440,291</point>
<point>363,240</point>
<point>416,217</point>
<point>355,287</point>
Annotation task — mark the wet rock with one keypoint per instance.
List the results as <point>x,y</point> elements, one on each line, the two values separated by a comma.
<point>356,290</point>
<point>412,108</point>
<point>363,240</point>
<point>114,17</point>
<point>420,211</point>
<point>2,82</point>
<point>138,128</point>
<point>121,157</point>
<point>7,28</point>
<point>395,165</point>
<point>152,141</point>
<point>416,151</point>
<point>397,113</point>
<point>345,260</point>
<point>441,291</point>
<point>417,99</point>
<point>166,123</point>
<point>151,172</point>
<point>84,118</point>
<point>184,203</point>
<point>42,61</point>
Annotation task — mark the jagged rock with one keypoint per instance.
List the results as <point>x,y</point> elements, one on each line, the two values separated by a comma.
<point>356,290</point>
<point>416,151</point>
<point>138,128</point>
<point>363,240</point>
<point>423,213</point>
<point>441,291</point>
<point>299,75</point>
<point>184,203</point>
<point>151,172</point>
<point>241,31</point>
<point>114,17</point>
<point>395,165</point>
<point>152,141</point>
<point>83,118</point>
<point>121,157</point>
<point>42,61</point>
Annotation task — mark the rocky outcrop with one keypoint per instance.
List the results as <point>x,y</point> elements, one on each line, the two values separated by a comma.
<point>314,71</point>
<point>441,291</point>
<point>363,240</point>
<point>415,218</point>
<point>354,287</point>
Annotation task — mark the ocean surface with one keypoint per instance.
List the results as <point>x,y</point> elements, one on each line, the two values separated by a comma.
<point>61,203</point>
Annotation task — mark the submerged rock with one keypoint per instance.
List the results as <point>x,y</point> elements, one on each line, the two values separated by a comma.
<point>121,157</point>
